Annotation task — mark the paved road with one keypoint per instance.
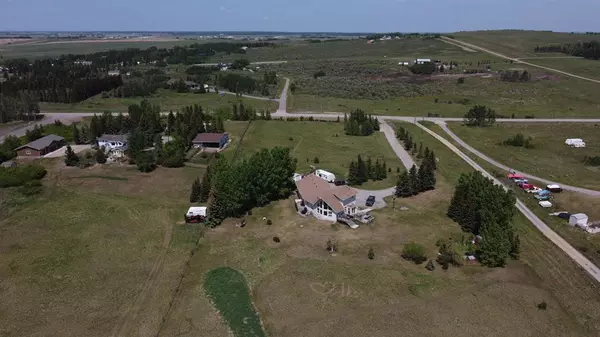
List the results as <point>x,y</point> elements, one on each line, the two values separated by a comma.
<point>518,60</point>
<point>254,63</point>
<point>506,168</point>
<point>390,135</point>
<point>573,253</point>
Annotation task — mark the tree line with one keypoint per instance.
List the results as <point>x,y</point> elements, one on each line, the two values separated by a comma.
<point>588,50</point>
<point>359,123</point>
<point>419,180</point>
<point>483,208</point>
<point>19,107</point>
<point>480,115</point>
<point>237,188</point>
<point>515,76</point>
<point>361,171</point>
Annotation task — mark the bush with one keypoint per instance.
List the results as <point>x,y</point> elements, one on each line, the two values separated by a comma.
<point>276,239</point>
<point>461,80</point>
<point>100,157</point>
<point>31,188</point>
<point>371,254</point>
<point>269,222</point>
<point>20,175</point>
<point>519,140</point>
<point>542,306</point>
<point>316,160</point>
<point>145,162</point>
<point>414,252</point>
<point>430,266</point>
<point>318,74</point>
<point>426,68</point>
<point>592,161</point>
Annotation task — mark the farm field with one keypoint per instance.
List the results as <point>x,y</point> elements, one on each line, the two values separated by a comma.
<point>519,43</point>
<point>41,49</point>
<point>550,158</point>
<point>346,294</point>
<point>98,252</point>
<point>325,140</point>
<point>167,99</point>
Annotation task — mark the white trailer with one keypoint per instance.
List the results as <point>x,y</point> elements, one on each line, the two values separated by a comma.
<point>327,176</point>
<point>573,141</point>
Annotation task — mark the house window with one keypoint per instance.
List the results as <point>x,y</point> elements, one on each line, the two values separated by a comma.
<point>27,152</point>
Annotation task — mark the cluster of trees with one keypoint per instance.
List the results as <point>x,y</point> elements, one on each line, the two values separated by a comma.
<point>361,171</point>
<point>414,252</point>
<point>236,188</point>
<point>426,68</point>
<point>519,140</point>
<point>419,180</point>
<point>270,77</point>
<point>588,50</point>
<point>238,83</point>
<point>22,106</point>
<point>240,64</point>
<point>7,148</point>
<point>480,115</point>
<point>592,160</point>
<point>201,190</point>
<point>515,76</point>
<point>483,208</point>
<point>241,112</point>
<point>359,123</point>
<point>20,175</point>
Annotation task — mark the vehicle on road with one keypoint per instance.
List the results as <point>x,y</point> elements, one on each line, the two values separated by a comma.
<point>370,201</point>
<point>554,188</point>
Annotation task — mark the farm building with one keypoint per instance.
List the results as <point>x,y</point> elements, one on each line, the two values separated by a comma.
<point>211,140</point>
<point>326,201</point>
<point>41,146</point>
<point>579,220</point>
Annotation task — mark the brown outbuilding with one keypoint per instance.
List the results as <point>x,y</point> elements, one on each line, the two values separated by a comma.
<point>41,146</point>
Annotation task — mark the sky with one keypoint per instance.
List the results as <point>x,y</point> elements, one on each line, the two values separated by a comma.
<point>299,15</point>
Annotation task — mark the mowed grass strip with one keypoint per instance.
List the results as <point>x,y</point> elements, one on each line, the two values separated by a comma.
<point>228,290</point>
<point>550,158</point>
<point>325,141</point>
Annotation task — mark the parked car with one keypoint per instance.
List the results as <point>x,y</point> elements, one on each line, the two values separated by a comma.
<point>525,186</point>
<point>542,197</point>
<point>554,188</point>
<point>519,181</point>
<point>512,176</point>
<point>533,189</point>
<point>370,201</point>
<point>339,182</point>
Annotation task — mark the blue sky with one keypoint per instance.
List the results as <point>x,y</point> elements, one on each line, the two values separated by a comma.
<point>300,15</point>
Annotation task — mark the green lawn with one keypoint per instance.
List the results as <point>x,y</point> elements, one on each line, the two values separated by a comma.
<point>167,99</point>
<point>228,290</point>
<point>325,141</point>
<point>550,158</point>
<point>581,67</point>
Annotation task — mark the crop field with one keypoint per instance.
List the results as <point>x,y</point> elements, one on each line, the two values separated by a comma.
<point>42,49</point>
<point>325,141</point>
<point>550,158</point>
<point>98,253</point>
<point>519,43</point>
<point>167,99</point>
<point>299,289</point>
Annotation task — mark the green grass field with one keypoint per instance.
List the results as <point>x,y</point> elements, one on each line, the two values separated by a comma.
<point>581,67</point>
<point>167,99</point>
<point>229,293</point>
<point>98,251</point>
<point>325,140</point>
<point>550,158</point>
<point>517,43</point>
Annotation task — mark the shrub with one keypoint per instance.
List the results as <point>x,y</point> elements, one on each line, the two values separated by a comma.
<point>31,188</point>
<point>414,252</point>
<point>145,162</point>
<point>318,74</point>
<point>460,80</point>
<point>426,68</point>
<point>430,266</point>
<point>371,254</point>
<point>316,160</point>
<point>592,161</point>
<point>269,222</point>
<point>100,157</point>
<point>276,239</point>
<point>519,140</point>
<point>331,245</point>
<point>542,306</point>
<point>20,175</point>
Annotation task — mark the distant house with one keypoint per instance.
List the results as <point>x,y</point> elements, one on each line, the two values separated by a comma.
<point>244,48</point>
<point>421,61</point>
<point>211,140</point>
<point>83,63</point>
<point>192,85</point>
<point>114,73</point>
<point>326,201</point>
<point>41,146</point>
<point>8,164</point>
<point>112,141</point>
<point>404,63</point>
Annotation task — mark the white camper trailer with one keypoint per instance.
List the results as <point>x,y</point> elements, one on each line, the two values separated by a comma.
<point>579,220</point>
<point>327,176</point>
<point>575,142</point>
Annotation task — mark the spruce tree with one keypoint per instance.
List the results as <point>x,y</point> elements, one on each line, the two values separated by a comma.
<point>432,160</point>
<point>384,171</point>
<point>403,186</point>
<point>515,247</point>
<point>195,192</point>
<point>71,158</point>
<point>420,153</point>
<point>204,188</point>
<point>413,179</point>
<point>361,170</point>
<point>353,174</point>
<point>495,246</point>
<point>426,153</point>
<point>371,173</point>
<point>76,135</point>
<point>100,156</point>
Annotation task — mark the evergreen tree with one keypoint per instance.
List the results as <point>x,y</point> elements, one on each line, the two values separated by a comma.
<point>384,171</point>
<point>427,179</point>
<point>170,122</point>
<point>353,174</point>
<point>195,192</point>
<point>76,134</point>
<point>371,170</point>
<point>71,158</point>
<point>205,188</point>
<point>361,170</point>
<point>158,149</point>
<point>515,247</point>
<point>495,246</point>
<point>413,179</point>
<point>100,156</point>
<point>432,160</point>
<point>426,153</point>
<point>403,186</point>
<point>420,152</point>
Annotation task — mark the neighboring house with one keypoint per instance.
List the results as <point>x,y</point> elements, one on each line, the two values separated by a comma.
<point>83,63</point>
<point>211,140</point>
<point>8,164</point>
<point>421,61</point>
<point>110,142</point>
<point>114,73</point>
<point>326,201</point>
<point>41,146</point>
<point>404,63</point>
<point>192,85</point>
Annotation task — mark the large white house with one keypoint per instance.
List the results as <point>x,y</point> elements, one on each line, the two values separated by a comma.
<point>326,201</point>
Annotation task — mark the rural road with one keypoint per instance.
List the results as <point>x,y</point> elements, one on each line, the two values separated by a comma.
<point>506,168</point>
<point>253,63</point>
<point>283,98</point>
<point>573,253</point>
<point>517,60</point>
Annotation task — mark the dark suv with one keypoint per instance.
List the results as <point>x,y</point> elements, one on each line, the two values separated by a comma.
<point>370,201</point>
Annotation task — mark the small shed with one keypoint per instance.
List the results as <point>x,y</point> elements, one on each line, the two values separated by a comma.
<point>211,140</point>
<point>8,164</point>
<point>578,219</point>
<point>195,214</point>
<point>545,204</point>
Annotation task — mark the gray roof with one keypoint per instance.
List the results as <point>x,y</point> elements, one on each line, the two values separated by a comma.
<point>42,142</point>
<point>113,138</point>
